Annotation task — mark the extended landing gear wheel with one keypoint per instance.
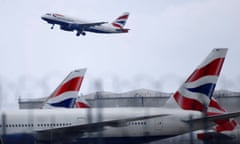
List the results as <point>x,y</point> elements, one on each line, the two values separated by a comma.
<point>83,33</point>
<point>78,34</point>
<point>52,26</point>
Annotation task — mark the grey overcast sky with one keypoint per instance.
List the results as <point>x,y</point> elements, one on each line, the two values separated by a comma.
<point>168,39</point>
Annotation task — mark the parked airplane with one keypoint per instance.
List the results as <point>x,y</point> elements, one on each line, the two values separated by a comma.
<point>121,125</point>
<point>66,94</point>
<point>226,131</point>
<point>71,24</point>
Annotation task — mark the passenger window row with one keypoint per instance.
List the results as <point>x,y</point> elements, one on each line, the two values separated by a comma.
<point>39,125</point>
<point>137,123</point>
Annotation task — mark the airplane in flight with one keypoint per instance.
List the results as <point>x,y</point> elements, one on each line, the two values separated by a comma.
<point>122,125</point>
<point>81,27</point>
<point>66,94</point>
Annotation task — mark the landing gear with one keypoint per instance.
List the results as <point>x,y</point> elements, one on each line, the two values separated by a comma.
<point>52,26</point>
<point>83,33</point>
<point>80,33</point>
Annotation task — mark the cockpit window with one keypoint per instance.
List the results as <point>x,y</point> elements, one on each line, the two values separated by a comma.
<point>48,14</point>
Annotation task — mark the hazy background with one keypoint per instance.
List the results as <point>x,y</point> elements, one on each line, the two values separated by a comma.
<point>167,40</point>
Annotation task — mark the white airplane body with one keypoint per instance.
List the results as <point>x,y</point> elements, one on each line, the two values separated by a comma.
<point>121,125</point>
<point>131,123</point>
<point>184,112</point>
<point>72,24</point>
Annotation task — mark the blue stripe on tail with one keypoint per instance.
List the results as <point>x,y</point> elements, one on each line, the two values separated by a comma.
<point>206,89</point>
<point>67,103</point>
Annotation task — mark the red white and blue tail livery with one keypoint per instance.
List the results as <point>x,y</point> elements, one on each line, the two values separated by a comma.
<point>81,27</point>
<point>67,92</point>
<point>195,93</point>
<point>121,21</point>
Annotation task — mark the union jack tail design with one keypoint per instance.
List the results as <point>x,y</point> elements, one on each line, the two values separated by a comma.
<point>195,93</point>
<point>121,21</point>
<point>67,92</point>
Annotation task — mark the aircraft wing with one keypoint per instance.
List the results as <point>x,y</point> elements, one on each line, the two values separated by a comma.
<point>72,132</point>
<point>213,118</point>
<point>86,25</point>
<point>78,130</point>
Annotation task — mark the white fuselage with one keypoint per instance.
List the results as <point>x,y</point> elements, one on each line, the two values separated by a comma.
<point>33,121</point>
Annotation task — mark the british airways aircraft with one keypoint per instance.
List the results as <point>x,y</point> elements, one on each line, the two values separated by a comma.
<point>122,125</point>
<point>81,27</point>
<point>226,131</point>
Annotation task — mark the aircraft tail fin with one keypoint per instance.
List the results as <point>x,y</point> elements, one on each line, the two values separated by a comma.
<point>195,93</point>
<point>66,93</point>
<point>121,21</point>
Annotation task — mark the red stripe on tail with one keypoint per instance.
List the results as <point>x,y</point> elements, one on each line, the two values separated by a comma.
<point>187,103</point>
<point>212,68</point>
<point>117,25</point>
<point>123,17</point>
<point>81,105</point>
<point>71,85</point>
<point>215,105</point>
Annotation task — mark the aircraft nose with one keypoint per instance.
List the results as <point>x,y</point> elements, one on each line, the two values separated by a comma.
<point>43,17</point>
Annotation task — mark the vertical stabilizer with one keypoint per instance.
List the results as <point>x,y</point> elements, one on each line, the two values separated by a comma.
<point>66,93</point>
<point>121,21</point>
<point>196,91</point>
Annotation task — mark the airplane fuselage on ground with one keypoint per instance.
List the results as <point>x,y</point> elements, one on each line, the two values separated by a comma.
<point>114,124</point>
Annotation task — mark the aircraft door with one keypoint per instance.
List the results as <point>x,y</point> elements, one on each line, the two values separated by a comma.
<point>158,123</point>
